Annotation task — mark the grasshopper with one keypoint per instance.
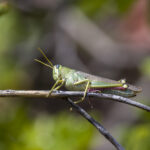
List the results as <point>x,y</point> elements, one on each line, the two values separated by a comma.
<point>79,81</point>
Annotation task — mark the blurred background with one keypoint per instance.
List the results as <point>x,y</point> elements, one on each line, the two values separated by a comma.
<point>108,38</point>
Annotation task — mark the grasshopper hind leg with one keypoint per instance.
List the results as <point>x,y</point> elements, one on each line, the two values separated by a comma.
<point>85,91</point>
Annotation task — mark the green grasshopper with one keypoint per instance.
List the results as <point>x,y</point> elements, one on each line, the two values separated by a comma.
<point>79,81</point>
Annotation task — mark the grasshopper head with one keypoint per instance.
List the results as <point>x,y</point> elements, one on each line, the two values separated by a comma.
<point>57,71</point>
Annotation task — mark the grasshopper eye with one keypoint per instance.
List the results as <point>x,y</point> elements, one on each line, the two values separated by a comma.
<point>57,66</point>
<point>57,71</point>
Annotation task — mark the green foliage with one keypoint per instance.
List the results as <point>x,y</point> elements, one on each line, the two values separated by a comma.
<point>124,5</point>
<point>11,75</point>
<point>145,67</point>
<point>12,123</point>
<point>60,132</point>
<point>137,138</point>
<point>45,132</point>
<point>105,6</point>
<point>12,30</point>
<point>4,7</point>
<point>16,29</point>
<point>91,7</point>
<point>145,116</point>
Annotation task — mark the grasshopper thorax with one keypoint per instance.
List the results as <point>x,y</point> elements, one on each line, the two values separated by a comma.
<point>57,72</point>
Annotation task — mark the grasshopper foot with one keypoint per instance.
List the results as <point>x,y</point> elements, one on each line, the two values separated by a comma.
<point>80,100</point>
<point>50,92</point>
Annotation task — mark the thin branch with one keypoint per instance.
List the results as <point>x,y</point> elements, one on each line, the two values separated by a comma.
<point>100,128</point>
<point>64,94</point>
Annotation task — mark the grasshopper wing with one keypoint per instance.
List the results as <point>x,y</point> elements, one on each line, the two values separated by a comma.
<point>100,82</point>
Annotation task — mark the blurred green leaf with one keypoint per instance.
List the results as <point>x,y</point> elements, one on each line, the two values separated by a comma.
<point>12,30</point>
<point>137,138</point>
<point>124,5</point>
<point>105,6</point>
<point>11,75</point>
<point>97,7</point>
<point>45,132</point>
<point>4,7</point>
<point>145,67</point>
<point>17,29</point>
<point>62,131</point>
<point>91,7</point>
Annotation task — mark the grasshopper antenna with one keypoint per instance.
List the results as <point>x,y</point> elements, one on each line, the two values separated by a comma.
<point>39,61</point>
<point>51,64</point>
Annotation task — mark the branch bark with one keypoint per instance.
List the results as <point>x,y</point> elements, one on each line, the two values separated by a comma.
<point>66,94</point>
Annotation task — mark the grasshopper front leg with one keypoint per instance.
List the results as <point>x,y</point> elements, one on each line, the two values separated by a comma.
<point>59,86</point>
<point>86,89</point>
<point>59,81</point>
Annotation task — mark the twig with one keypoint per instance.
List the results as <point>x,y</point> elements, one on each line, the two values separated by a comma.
<point>100,128</point>
<point>56,94</point>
